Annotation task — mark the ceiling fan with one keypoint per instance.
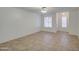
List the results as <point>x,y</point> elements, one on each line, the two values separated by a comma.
<point>44,9</point>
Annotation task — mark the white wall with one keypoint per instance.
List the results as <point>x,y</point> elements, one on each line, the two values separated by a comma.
<point>74,22</point>
<point>16,22</point>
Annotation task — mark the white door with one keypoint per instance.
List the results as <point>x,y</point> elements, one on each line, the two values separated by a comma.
<point>62,21</point>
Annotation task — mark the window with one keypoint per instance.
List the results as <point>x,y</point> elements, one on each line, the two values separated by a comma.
<point>64,21</point>
<point>48,22</point>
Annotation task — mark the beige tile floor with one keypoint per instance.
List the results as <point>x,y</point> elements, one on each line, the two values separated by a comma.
<point>43,41</point>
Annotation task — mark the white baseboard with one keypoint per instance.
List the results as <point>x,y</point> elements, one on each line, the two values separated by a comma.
<point>78,36</point>
<point>74,34</point>
<point>18,36</point>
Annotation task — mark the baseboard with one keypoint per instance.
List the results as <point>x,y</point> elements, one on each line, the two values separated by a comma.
<point>48,30</point>
<point>63,31</point>
<point>74,34</point>
<point>78,37</point>
<point>17,37</point>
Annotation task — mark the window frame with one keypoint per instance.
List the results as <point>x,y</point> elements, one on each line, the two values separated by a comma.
<point>49,20</point>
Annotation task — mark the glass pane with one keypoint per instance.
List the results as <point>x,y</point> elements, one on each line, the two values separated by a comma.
<point>47,21</point>
<point>64,21</point>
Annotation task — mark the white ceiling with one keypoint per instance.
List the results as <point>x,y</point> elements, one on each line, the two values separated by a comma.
<point>50,9</point>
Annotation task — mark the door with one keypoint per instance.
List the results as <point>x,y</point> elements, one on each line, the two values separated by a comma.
<point>62,21</point>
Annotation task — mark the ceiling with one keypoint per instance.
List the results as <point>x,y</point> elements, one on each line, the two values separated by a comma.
<point>51,9</point>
